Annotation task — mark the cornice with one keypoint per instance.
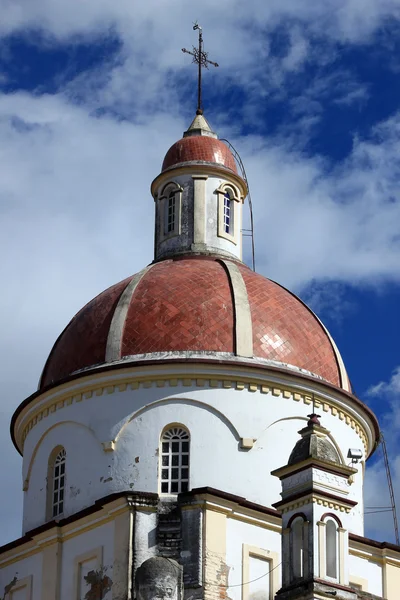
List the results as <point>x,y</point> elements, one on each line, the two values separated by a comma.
<point>194,169</point>
<point>322,465</point>
<point>314,496</point>
<point>196,373</point>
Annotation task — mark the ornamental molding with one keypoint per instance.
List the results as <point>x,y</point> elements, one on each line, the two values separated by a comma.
<point>325,481</point>
<point>320,501</point>
<point>56,400</point>
<point>196,170</point>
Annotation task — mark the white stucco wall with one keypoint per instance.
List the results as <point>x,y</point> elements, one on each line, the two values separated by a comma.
<point>101,539</point>
<point>216,417</point>
<point>365,569</point>
<point>28,567</point>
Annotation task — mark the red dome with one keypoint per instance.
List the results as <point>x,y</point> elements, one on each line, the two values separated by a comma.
<point>187,304</point>
<point>200,149</point>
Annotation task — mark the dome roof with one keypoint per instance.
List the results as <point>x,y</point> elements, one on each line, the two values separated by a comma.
<point>199,149</point>
<point>314,443</point>
<point>188,305</point>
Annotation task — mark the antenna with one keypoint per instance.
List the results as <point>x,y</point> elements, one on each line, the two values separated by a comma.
<point>390,484</point>
<point>250,232</point>
<point>370,510</point>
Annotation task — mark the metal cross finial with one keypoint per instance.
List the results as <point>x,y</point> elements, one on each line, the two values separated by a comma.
<point>200,58</point>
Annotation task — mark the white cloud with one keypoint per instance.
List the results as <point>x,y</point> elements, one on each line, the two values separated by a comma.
<point>343,19</point>
<point>389,388</point>
<point>318,222</point>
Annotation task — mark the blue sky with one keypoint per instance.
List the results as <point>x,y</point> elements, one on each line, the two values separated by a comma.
<point>92,95</point>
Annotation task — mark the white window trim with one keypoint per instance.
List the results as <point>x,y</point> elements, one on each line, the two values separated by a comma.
<point>271,559</point>
<point>340,558</point>
<point>298,519</point>
<point>235,199</point>
<point>165,430</point>
<point>163,208</point>
<point>50,484</point>
<point>25,582</point>
<point>337,549</point>
<point>61,479</point>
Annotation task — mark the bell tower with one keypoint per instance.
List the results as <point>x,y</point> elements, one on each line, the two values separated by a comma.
<point>316,515</point>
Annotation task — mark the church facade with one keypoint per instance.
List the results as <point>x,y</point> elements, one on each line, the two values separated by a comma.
<point>194,434</point>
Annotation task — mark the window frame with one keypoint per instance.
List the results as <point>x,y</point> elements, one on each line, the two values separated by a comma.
<point>52,478</point>
<point>298,520</point>
<point>271,559</point>
<point>331,522</point>
<point>171,191</point>
<point>222,192</point>
<point>169,456</point>
<point>323,547</point>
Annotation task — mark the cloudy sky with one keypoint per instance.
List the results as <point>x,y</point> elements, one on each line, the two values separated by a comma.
<point>93,93</point>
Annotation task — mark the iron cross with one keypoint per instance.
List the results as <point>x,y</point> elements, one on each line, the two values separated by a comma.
<point>200,58</point>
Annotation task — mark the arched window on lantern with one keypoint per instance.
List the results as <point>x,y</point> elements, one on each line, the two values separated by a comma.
<point>175,456</point>
<point>170,205</point>
<point>228,213</point>
<point>331,548</point>
<point>170,215</point>
<point>56,476</point>
<point>228,197</point>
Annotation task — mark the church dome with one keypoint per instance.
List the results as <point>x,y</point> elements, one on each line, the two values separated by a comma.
<point>187,305</point>
<point>199,149</point>
<point>199,146</point>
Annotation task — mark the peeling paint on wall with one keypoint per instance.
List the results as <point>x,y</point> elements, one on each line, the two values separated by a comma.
<point>9,587</point>
<point>100,584</point>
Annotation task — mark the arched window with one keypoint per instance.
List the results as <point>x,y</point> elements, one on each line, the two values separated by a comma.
<point>170,213</point>
<point>56,482</point>
<point>228,204</point>
<point>331,549</point>
<point>297,547</point>
<point>170,210</point>
<point>174,460</point>
<point>297,543</point>
<point>228,213</point>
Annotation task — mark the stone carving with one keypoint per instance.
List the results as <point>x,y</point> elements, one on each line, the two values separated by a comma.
<point>159,578</point>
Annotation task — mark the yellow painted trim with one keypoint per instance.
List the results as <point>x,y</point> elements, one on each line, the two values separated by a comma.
<point>51,571</point>
<point>363,583</point>
<point>367,557</point>
<point>321,550</point>
<point>90,390</point>
<point>215,570</point>
<point>269,557</point>
<point>252,521</point>
<point>25,582</point>
<point>62,534</point>
<point>315,498</point>
<point>239,513</point>
<point>123,555</point>
<point>341,554</point>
